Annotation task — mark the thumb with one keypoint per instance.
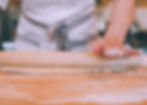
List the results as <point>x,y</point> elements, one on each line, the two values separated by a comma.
<point>98,47</point>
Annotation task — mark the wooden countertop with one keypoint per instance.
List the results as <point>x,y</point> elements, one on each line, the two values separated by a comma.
<point>113,88</point>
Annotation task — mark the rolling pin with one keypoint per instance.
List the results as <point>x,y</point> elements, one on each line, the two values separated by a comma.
<point>61,61</point>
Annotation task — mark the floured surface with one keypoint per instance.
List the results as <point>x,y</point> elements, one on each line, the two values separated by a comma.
<point>127,88</point>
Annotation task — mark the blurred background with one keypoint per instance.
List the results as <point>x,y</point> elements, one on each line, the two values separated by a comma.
<point>137,35</point>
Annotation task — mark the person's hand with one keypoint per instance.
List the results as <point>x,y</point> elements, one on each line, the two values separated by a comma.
<point>113,49</point>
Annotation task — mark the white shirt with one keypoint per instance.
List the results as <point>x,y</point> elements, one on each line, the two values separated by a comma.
<point>38,16</point>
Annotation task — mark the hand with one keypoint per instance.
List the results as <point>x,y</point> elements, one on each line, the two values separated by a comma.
<point>113,49</point>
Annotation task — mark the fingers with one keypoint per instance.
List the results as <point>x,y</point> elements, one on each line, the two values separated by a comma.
<point>119,53</point>
<point>114,53</point>
<point>105,49</point>
<point>131,52</point>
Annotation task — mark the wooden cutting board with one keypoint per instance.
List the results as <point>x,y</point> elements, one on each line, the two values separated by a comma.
<point>113,88</point>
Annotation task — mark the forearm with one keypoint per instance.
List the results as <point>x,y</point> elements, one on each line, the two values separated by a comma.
<point>121,20</point>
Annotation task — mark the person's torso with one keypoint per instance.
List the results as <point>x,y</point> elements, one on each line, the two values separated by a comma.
<point>51,11</point>
<point>38,13</point>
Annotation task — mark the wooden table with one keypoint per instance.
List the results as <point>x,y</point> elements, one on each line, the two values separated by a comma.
<point>113,88</point>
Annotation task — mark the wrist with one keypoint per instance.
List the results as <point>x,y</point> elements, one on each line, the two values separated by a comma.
<point>113,41</point>
<point>115,37</point>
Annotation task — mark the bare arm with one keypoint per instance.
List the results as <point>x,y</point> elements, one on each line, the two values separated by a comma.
<point>121,20</point>
<point>112,45</point>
